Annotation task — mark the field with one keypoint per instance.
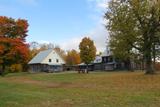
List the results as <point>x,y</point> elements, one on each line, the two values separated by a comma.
<point>102,89</point>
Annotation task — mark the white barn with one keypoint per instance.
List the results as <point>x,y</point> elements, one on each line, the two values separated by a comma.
<point>47,61</point>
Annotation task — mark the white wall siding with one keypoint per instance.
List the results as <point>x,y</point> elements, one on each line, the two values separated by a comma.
<point>54,57</point>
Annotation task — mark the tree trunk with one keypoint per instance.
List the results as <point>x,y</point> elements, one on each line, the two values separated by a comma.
<point>3,70</point>
<point>149,67</point>
<point>148,53</point>
<point>143,63</point>
<point>87,69</point>
<point>129,65</point>
<point>148,62</point>
<point>154,57</point>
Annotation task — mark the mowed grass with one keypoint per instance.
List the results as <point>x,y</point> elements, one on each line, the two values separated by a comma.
<point>98,89</point>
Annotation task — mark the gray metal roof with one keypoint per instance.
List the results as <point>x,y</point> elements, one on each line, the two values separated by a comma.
<point>40,56</point>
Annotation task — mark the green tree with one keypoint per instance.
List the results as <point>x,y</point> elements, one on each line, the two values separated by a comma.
<point>135,25</point>
<point>87,50</point>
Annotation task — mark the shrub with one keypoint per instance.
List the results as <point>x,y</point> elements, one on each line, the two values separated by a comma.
<point>16,68</point>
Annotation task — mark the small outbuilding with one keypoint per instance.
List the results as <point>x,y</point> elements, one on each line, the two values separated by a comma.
<point>47,61</point>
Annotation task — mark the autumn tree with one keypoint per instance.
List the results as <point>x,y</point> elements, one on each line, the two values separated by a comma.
<point>87,50</point>
<point>13,49</point>
<point>135,25</point>
<point>12,28</point>
<point>73,57</point>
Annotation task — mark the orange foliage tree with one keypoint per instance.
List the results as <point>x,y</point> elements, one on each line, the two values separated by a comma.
<point>12,51</point>
<point>73,57</point>
<point>12,28</point>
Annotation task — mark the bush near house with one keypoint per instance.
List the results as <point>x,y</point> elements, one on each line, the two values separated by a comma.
<point>16,68</point>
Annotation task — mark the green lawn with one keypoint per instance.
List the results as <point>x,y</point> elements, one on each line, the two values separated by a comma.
<point>103,89</point>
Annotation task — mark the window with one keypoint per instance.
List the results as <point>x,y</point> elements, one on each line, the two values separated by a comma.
<point>50,60</point>
<point>57,60</point>
<point>104,59</point>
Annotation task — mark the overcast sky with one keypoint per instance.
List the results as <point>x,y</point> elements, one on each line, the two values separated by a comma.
<point>62,22</point>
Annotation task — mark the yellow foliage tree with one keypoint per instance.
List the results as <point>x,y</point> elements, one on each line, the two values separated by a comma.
<point>87,50</point>
<point>73,57</point>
